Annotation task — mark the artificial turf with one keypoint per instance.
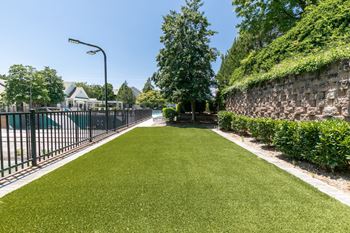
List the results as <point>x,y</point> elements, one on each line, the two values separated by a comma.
<point>170,180</point>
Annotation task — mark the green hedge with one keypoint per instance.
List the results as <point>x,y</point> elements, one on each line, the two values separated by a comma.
<point>324,143</point>
<point>169,113</point>
<point>224,120</point>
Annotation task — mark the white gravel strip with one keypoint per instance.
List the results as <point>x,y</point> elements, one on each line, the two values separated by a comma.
<point>320,185</point>
<point>47,169</point>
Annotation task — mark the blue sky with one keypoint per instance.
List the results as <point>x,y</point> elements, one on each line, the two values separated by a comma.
<point>35,32</point>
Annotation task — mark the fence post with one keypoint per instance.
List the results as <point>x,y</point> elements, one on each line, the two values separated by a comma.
<point>90,125</point>
<point>33,137</point>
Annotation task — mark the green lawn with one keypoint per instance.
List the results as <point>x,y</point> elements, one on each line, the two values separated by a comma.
<point>170,180</point>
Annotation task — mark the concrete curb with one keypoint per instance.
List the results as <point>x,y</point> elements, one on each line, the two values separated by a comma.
<point>47,169</point>
<point>320,185</point>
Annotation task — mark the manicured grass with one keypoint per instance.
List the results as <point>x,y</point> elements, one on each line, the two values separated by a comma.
<point>170,180</point>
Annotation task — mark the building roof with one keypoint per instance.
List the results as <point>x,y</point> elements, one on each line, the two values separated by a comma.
<point>136,92</point>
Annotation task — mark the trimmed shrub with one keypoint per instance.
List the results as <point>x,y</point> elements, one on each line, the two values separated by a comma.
<point>225,119</point>
<point>333,149</point>
<point>286,139</point>
<point>263,129</point>
<point>323,143</point>
<point>239,124</point>
<point>169,113</point>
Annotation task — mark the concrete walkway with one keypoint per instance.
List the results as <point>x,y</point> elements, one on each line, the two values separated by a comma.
<point>320,185</point>
<point>8,188</point>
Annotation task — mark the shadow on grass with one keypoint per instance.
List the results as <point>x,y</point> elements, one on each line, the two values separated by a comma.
<point>187,125</point>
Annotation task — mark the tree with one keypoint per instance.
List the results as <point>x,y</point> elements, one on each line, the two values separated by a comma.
<point>151,99</point>
<point>54,85</point>
<point>266,20</point>
<point>23,84</point>
<point>125,94</point>
<point>97,91</point>
<point>185,72</point>
<point>148,86</point>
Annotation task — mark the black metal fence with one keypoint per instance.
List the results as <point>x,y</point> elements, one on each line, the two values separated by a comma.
<point>28,138</point>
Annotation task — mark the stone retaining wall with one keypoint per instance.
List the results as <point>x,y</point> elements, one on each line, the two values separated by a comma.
<point>311,96</point>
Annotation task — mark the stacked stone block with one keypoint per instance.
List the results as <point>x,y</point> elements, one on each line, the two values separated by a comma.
<point>311,96</point>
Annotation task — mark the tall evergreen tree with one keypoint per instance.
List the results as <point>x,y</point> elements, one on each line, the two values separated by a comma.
<point>185,72</point>
<point>148,86</point>
<point>125,94</point>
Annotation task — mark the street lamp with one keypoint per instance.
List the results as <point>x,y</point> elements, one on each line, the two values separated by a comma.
<point>93,52</point>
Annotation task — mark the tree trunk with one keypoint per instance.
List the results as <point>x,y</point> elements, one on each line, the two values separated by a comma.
<point>193,109</point>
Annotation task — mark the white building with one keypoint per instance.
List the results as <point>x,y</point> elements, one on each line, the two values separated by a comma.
<point>77,99</point>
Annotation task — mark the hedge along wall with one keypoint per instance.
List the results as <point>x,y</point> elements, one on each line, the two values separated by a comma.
<point>311,96</point>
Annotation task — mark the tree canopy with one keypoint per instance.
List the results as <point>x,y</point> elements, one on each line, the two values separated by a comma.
<point>125,94</point>
<point>185,72</point>
<point>151,99</point>
<point>23,84</point>
<point>54,85</point>
<point>148,86</point>
<point>97,91</point>
<point>267,20</point>
<point>320,37</point>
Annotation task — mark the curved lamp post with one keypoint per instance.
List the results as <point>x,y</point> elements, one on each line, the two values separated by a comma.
<point>93,52</point>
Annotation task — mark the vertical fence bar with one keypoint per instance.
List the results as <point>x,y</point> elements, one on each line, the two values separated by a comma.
<point>8,143</point>
<point>1,150</point>
<point>33,137</point>
<point>15,141</point>
<point>39,135</point>
<point>90,125</point>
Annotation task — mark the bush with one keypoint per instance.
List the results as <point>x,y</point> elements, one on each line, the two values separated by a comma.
<point>333,149</point>
<point>225,119</point>
<point>286,139</point>
<point>323,143</point>
<point>239,124</point>
<point>169,113</point>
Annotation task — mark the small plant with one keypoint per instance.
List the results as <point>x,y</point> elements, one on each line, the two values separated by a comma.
<point>169,114</point>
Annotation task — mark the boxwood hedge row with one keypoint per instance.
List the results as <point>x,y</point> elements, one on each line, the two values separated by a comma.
<point>323,143</point>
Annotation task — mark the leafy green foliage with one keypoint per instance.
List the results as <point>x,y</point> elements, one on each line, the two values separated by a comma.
<point>293,66</point>
<point>24,83</point>
<point>97,91</point>
<point>240,124</point>
<point>319,38</point>
<point>263,129</point>
<point>148,86</point>
<point>224,120</point>
<point>151,99</point>
<point>54,85</point>
<point>267,20</point>
<point>169,113</point>
<point>185,72</point>
<point>323,143</point>
<point>125,94</point>
<point>332,150</point>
